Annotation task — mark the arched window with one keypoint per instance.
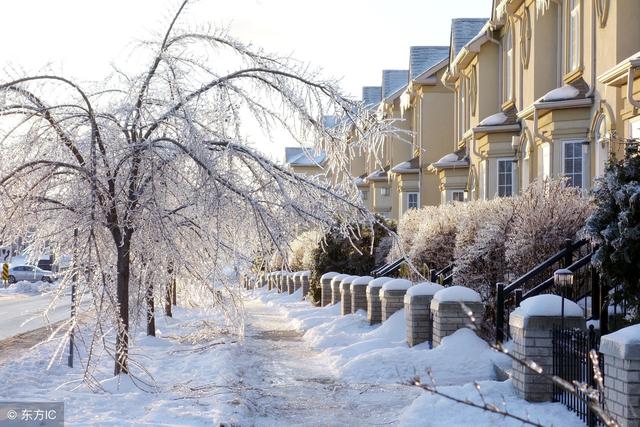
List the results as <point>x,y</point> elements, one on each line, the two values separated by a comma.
<point>525,38</point>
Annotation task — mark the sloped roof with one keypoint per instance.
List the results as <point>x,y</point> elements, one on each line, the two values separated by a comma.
<point>371,96</point>
<point>379,175</point>
<point>410,166</point>
<point>463,30</point>
<point>393,81</point>
<point>453,160</point>
<point>299,156</point>
<point>421,58</point>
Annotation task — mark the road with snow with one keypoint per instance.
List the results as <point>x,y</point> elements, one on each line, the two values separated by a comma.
<point>20,314</point>
<point>290,384</point>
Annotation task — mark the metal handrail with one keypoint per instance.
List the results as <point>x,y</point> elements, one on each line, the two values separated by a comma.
<point>549,282</point>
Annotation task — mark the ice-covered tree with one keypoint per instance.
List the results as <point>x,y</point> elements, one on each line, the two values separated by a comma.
<point>157,174</point>
<point>615,226</point>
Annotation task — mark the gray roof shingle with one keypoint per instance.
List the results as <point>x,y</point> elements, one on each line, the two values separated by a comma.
<point>298,156</point>
<point>393,80</point>
<point>371,96</point>
<point>464,30</point>
<point>421,58</point>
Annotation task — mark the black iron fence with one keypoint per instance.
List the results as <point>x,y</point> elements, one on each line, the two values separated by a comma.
<point>572,362</point>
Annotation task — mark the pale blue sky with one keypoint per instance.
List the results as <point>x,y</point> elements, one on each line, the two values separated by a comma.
<point>350,39</point>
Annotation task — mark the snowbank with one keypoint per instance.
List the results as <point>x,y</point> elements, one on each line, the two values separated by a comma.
<point>28,288</point>
<point>442,412</point>
<point>456,294</point>
<point>548,305</point>
<point>424,288</point>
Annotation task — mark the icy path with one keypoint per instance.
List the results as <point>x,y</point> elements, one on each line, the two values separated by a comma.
<point>290,384</point>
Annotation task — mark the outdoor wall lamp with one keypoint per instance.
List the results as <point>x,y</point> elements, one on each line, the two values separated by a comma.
<point>563,277</point>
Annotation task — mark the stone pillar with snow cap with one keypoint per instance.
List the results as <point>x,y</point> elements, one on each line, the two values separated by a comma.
<point>621,353</point>
<point>345,295</point>
<point>532,325</point>
<point>335,287</point>
<point>325,287</point>
<point>392,296</point>
<point>297,280</point>
<point>304,282</point>
<point>451,308</point>
<point>290,284</point>
<point>374,307</point>
<point>359,293</point>
<point>417,311</point>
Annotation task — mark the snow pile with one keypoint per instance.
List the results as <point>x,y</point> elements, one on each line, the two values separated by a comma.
<point>424,288</point>
<point>28,288</point>
<point>560,94</point>
<point>548,305</point>
<point>494,120</point>
<point>448,158</point>
<point>441,412</point>
<point>456,294</point>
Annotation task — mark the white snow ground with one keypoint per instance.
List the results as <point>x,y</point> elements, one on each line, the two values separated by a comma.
<point>298,365</point>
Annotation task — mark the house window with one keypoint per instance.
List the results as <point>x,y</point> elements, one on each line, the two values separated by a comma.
<point>505,177</point>
<point>457,196</point>
<point>572,162</point>
<point>573,42</point>
<point>384,191</point>
<point>508,66</point>
<point>412,200</point>
<point>635,129</point>
<point>364,194</point>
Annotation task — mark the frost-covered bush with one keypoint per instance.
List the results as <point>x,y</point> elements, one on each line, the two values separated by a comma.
<point>433,244</point>
<point>546,214</point>
<point>407,230</point>
<point>300,256</point>
<point>480,244</point>
<point>615,226</point>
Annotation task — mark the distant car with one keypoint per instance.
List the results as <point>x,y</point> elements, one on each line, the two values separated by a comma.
<point>29,273</point>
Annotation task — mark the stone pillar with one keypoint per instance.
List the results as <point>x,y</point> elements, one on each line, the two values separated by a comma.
<point>531,327</point>
<point>417,311</point>
<point>374,308</point>
<point>359,293</point>
<point>392,296</point>
<point>296,280</point>
<point>335,288</point>
<point>304,283</point>
<point>325,288</point>
<point>345,295</point>
<point>621,352</point>
<point>448,313</point>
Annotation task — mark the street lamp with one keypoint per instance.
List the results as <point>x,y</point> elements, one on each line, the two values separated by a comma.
<point>563,278</point>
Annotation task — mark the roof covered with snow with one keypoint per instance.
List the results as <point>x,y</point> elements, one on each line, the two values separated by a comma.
<point>371,96</point>
<point>299,156</point>
<point>463,30</point>
<point>421,58</point>
<point>361,180</point>
<point>393,81</point>
<point>410,166</point>
<point>379,175</point>
<point>575,90</point>
<point>457,294</point>
<point>452,160</point>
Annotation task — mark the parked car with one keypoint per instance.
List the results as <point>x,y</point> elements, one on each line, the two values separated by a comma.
<point>29,273</point>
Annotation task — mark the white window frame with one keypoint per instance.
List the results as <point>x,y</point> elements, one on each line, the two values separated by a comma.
<point>364,194</point>
<point>454,192</point>
<point>507,160</point>
<point>573,36</point>
<point>581,162</point>
<point>634,127</point>
<point>417,196</point>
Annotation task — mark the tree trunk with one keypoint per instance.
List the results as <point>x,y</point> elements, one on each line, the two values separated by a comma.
<point>174,291</point>
<point>151,316</point>
<point>122,338</point>
<point>168,296</point>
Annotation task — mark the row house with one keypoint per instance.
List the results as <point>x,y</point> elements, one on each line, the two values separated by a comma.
<point>544,89</point>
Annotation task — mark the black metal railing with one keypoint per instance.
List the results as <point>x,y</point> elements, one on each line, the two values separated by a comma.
<point>572,362</point>
<point>389,268</point>
<point>575,256</point>
<point>443,276</point>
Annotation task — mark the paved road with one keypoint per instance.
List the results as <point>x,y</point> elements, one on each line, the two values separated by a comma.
<point>24,314</point>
